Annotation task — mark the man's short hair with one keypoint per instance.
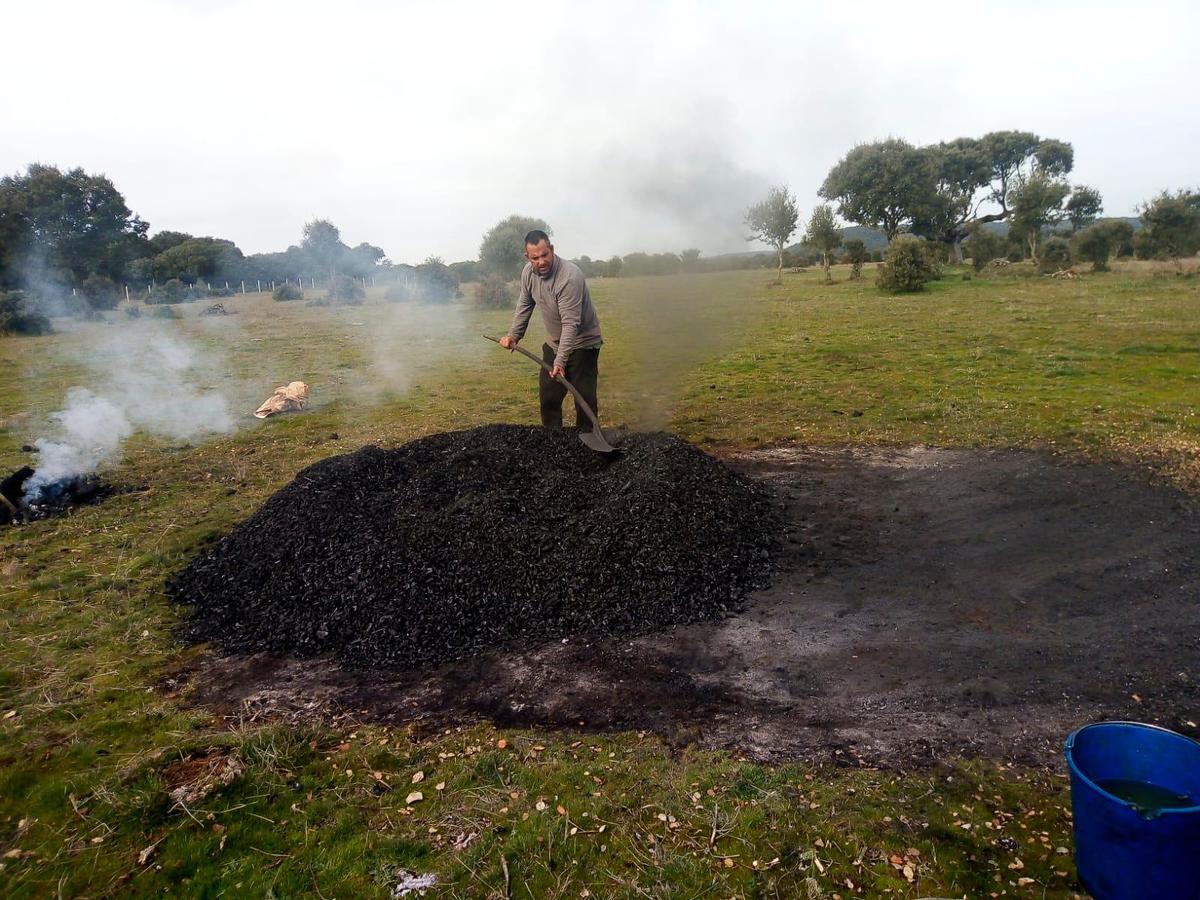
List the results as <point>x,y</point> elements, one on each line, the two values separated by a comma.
<point>535,237</point>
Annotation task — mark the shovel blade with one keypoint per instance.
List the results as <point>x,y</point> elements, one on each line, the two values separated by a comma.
<point>594,440</point>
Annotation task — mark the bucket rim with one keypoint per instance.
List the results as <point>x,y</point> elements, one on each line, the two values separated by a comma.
<point>1069,753</point>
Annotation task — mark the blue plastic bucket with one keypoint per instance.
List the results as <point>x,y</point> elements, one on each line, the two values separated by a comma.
<point>1135,798</point>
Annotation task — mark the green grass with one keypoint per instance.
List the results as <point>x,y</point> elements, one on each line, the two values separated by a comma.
<point>1108,366</point>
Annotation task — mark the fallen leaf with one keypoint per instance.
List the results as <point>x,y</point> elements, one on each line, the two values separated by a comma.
<point>1016,864</point>
<point>144,856</point>
<point>10,714</point>
<point>908,873</point>
<point>418,777</point>
<point>440,786</point>
<point>728,863</point>
<point>501,744</point>
<point>540,805</point>
<point>414,797</point>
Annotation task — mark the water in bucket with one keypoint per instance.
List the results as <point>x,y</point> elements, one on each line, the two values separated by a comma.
<point>1135,799</point>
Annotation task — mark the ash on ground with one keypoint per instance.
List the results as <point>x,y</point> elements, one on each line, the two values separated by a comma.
<point>467,540</point>
<point>21,504</point>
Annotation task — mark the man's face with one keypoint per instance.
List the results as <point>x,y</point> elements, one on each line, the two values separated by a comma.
<point>540,256</point>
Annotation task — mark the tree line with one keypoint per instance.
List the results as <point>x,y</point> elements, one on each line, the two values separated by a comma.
<point>954,195</point>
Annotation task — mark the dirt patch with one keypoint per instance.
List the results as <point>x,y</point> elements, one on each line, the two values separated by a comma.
<point>932,603</point>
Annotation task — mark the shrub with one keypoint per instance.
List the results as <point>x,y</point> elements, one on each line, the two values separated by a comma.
<point>164,312</point>
<point>133,312</point>
<point>435,281</point>
<point>16,316</point>
<point>856,255</point>
<point>494,293</point>
<point>100,291</point>
<point>907,265</point>
<point>345,290</point>
<point>1095,245</point>
<point>288,291</point>
<point>984,245</point>
<point>399,292</point>
<point>1055,255</point>
<point>174,291</point>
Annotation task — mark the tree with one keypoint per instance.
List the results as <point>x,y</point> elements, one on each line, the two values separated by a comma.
<point>942,190</point>
<point>502,250</point>
<point>856,255</point>
<point>906,266</point>
<point>322,242</point>
<point>1171,225</point>
<point>690,259</point>
<point>880,185</point>
<point>100,292</point>
<point>773,221</point>
<point>1122,236</point>
<point>1083,207</point>
<point>823,234</point>
<point>1036,205</point>
<point>197,258</point>
<point>69,222</point>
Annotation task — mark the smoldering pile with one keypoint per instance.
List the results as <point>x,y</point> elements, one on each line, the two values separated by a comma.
<point>24,499</point>
<point>466,540</point>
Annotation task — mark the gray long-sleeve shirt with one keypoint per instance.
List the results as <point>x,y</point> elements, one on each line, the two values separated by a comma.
<point>566,305</point>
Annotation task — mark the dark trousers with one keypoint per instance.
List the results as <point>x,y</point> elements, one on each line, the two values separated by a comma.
<point>583,372</point>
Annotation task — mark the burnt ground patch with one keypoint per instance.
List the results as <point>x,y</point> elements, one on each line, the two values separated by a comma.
<point>931,603</point>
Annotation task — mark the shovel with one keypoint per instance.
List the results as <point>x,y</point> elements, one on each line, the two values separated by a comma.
<point>594,439</point>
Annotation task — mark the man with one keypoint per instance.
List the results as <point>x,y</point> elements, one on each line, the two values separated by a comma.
<point>572,349</point>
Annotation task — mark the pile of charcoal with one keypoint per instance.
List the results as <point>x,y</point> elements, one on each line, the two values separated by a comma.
<point>469,539</point>
<point>19,503</point>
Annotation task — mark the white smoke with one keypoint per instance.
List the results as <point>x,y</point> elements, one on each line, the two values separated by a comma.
<point>93,429</point>
<point>148,383</point>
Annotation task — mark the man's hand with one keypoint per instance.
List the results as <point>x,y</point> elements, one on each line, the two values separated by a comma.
<point>557,372</point>
<point>509,343</point>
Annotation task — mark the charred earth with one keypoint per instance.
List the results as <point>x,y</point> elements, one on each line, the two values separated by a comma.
<point>467,540</point>
<point>21,504</point>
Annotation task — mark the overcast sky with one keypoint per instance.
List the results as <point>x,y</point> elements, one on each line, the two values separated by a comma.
<point>627,126</point>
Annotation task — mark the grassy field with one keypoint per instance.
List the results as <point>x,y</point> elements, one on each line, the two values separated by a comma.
<point>93,738</point>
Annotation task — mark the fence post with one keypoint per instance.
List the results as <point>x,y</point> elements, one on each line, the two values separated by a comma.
<point>243,287</point>
<point>126,293</point>
<point>260,285</point>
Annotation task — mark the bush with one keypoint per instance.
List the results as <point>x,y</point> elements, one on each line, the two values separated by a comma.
<point>288,291</point>
<point>435,281</point>
<point>494,293</point>
<point>856,255</point>
<point>907,265</point>
<point>1095,245</point>
<point>101,292</point>
<point>1055,255</point>
<point>174,291</point>
<point>133,312</point>
<point>345,290</point>
<point>876,256</point>
<point>985,245</point>
<point>400,292</point>
<point>16,316</point>
<point>164,312</point>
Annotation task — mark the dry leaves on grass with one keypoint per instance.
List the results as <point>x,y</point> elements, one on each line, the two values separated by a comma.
<point>191,780</point>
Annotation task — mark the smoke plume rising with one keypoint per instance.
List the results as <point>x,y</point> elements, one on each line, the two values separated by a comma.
<point>145,380</point>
